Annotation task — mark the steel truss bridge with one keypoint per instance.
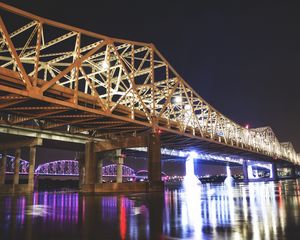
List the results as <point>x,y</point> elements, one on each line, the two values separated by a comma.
<point>64,168</point>
<point>71,168</point>
<point>62,78</point>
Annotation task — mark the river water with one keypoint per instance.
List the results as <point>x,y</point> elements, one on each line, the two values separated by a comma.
<point>243,211</point>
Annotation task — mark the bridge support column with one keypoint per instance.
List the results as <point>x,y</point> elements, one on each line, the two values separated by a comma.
<point>293,171</point>
<point>273,173</point>
<point>17,166</point>
<point>245,172</point>
<point>120,162</point>
<point>297,171</point>
<point>99,171</point>
<point>3,167</point>
<point>32,155</point>
<point>90,168</point>
<point>81,169</point>
<point>154,163</point>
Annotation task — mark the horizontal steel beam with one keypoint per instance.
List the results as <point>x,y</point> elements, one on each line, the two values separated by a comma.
<point>43,134</point>
<point>21,143</point>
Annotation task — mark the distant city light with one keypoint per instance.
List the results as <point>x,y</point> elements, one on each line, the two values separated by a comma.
<point>247,126</point>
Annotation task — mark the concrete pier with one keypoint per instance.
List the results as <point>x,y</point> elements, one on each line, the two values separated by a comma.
<point>273,173</point>
<point>17,166</point>
<point>90,168</point>
<point>32,155</point>
<point>81,169</point>
<point>154,162</point>
<point>245,172</point>
<point>3,167</point>
<point>99,171</point>
<point>119,162</point>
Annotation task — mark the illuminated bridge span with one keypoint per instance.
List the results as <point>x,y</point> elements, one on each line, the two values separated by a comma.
<point>71,168</point>
<point>64,168</point>
<point>111,170</point>
<point>60,167</point>
<point>10,165</point>
<point>57,77</point>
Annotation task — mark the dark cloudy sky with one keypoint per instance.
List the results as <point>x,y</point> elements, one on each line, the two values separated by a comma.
<point>243,57</point>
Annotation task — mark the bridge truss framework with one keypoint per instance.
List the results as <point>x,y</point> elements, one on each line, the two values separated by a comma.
<point>57,77</point>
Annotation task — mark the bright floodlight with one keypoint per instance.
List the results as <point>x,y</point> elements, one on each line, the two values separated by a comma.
<point>187,107</point>
<point>193,154</point>
<point>177,99</point>
<point>105,65</point>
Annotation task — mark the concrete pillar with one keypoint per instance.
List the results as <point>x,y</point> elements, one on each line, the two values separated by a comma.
<point>293,171</point>
<point>99,171</point>
<point>81,169</point>
<point>32,154</point>
<point>3,167</point>
<point>250,172</point>
<point>154,162</point>
<point>17,166</point>
<point>120,162</point>
<point>90,168</point>
<point>245,172</point>
<point>273,174</point>
<point>296,171</point>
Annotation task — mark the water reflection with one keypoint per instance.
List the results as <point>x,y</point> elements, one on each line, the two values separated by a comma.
<point>254,211</point>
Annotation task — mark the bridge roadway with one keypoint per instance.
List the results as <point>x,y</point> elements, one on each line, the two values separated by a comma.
<point>110,94</point>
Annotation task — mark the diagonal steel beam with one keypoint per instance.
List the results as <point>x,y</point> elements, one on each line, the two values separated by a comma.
<point>14,54</point>
<point>70,67</point>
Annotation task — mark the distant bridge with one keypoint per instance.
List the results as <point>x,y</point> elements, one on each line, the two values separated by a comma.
<point>64,168</point>
<point>143,174</point>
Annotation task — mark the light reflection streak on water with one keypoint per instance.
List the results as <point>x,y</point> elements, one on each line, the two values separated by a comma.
<point>245,204</point>
<point>298,200</point>
<point>220,209</point>
<point>281,208</point>
<point>122,219</point>
<point>253,210</point>
<point>230,196</point>
<point>274,216</point>
<point>263,195</point>
<point>191,208</point>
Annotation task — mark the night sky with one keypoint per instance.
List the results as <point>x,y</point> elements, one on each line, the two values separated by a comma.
<point>243,57</point>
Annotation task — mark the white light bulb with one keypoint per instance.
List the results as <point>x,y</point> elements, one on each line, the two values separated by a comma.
<point>177,99</point>
<point>105,65</point>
